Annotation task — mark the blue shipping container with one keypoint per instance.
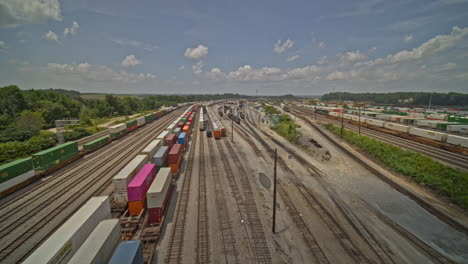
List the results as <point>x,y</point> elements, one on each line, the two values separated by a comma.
<point>181,139</point>
<point>128,252</point>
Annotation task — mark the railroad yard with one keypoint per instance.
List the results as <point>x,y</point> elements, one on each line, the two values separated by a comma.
<point>195,184</point>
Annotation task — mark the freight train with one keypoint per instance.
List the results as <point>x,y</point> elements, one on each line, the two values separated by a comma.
<point>380,121</point>
<point>19,173</point>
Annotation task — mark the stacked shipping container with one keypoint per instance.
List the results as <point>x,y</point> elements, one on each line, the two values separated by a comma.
<point>138,187</point>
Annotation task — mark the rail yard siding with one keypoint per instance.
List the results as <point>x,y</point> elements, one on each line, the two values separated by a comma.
<point>457,140</point>
<point>15,168</point>
<point>65,242</point>
<point>160,158</point>
<point>128,252</point>
<point>100,244</point>
<point>52,157</point>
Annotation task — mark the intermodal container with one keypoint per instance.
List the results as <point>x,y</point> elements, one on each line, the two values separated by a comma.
<point>176,165</point>
<point>159,195</point>
<point>141,121</point>
<point>162,137</point>
<point>160,158</point>
<point>96,143</point>
<point>216,131</point>
<point>223,131</point>
<point>128,252</point>
<point>15,168</point>
<point>174,153</point>
<point>52,157</point>
<point>160,113</point>
<point>123,178</point>
<point>190,120</point>
<point>434,135</point>
<point>139,185</point>
<point>182,139</point>
<point>189,124</point>
<point>65,242</point>
<point>171,139</point>
<point>151,149</point>
<point>374,122</point>
<point>149,118</point>
<point>131,125</point>
<point>181,124</point>
<point>117,130</point>
<point>458,128</point>
<point>186,129</point>
<point>184,119</point>
<point>457,140</point>
<point>170,128</point>
<point>100,244</point>
<point>177,131</point>
<point>397,127</point>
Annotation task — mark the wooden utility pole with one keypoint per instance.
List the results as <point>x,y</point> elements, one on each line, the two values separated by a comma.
<point>274,195</point>
<point>359,122</point>
<point>315,112</point>
<point>232,130</point>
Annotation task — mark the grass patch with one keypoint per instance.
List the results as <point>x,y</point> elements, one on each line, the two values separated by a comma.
<point>271,110</point>
<point>444,179</point>
<point>287,129</point>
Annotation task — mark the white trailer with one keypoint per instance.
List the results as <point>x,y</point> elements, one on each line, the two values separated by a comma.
<point>162,137</point>
<point>434,135</point>
<point>100,245</point>
<point>117,128</point>
<point>141,121</point>
<point>397,127</point>
<point>158,189</point>
<point>121,180</point>
<point>375,122</point>
<point>458,140</point>
<point>458,128</point>
<point>65,242</point>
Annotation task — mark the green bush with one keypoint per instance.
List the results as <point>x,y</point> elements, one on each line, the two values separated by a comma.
<point>287,129</point>
<point>422,169</point>
<point>76,133</point>
<point>270,110</point>
<point>13,150</point>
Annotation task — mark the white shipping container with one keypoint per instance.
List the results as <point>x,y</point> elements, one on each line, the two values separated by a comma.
<point>170,128</point>
<point>158,189</point>
<point>458,140</point>
<point>458,128</point>
<point>346,116</point>
<point>64,242</point>
<point>121,180</point>
<point>428,134</point>
<point>151,149</point>
<point>117,128</point>
<point>374,122</point>
<point>397,127</point>
<point>333,113</point>
<point>382,117</point>
<point>141,121</point>
<point>162,137</point>
<point>417,115</point>
<point>100,245</point>
<point>120,197</point>
<point>356,118</point>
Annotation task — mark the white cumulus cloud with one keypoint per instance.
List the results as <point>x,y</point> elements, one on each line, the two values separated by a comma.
<point>351,56</point>
<point>282,47</point>
<point>135,44</point>
<point>3,46</point>
<point>293,58</point>
<point>98,72</point>
<point>16,12</point>
<point>71,30</point>
<point>196,53</point>
<point>51,36</point>
<point>322,44</point>
<point>130,61</point>
<point>448,66</point>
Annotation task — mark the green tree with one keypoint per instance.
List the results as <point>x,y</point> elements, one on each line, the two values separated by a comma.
<point>11,100</point>
<point>29,121</point>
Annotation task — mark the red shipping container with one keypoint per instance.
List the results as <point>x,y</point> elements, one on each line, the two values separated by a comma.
<point>190,119</point>
<point>160,113</point>
<point>175,166</point>
<point>174,153</point>
<point>181,125</point>
<point>189,124</point>
<point>171,139</point>
<point>140,184</point>
<point>155,215</point>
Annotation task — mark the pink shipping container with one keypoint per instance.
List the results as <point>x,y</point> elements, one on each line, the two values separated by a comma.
<point>140,184</point>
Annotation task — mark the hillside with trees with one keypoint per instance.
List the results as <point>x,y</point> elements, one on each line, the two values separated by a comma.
<point>402,98</point>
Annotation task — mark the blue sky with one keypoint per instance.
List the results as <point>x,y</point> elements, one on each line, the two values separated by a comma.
<point>273,47</point>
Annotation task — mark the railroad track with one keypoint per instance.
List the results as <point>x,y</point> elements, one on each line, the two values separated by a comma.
<point>30,222</point>
<point>92,137</point>
<point>176,240</point>
<point>228,239</point>
<point>203,239</point>
<point>455,159</point>
<point>384,254</point>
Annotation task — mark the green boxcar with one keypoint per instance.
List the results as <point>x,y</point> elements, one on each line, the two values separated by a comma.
<point>96,143</point>
<point>131,123</point>
<point>49,158</point>
<point>15,168</point>
<point>184,119</point>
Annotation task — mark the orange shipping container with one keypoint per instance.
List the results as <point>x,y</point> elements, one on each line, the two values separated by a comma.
<point>186,129</point>
<point>217,133</point>
<point>135,207</point>
<point>175,167</point>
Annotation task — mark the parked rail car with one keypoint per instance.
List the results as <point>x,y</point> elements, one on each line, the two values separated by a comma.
<point>131,125</point>
<point>95,144</point>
